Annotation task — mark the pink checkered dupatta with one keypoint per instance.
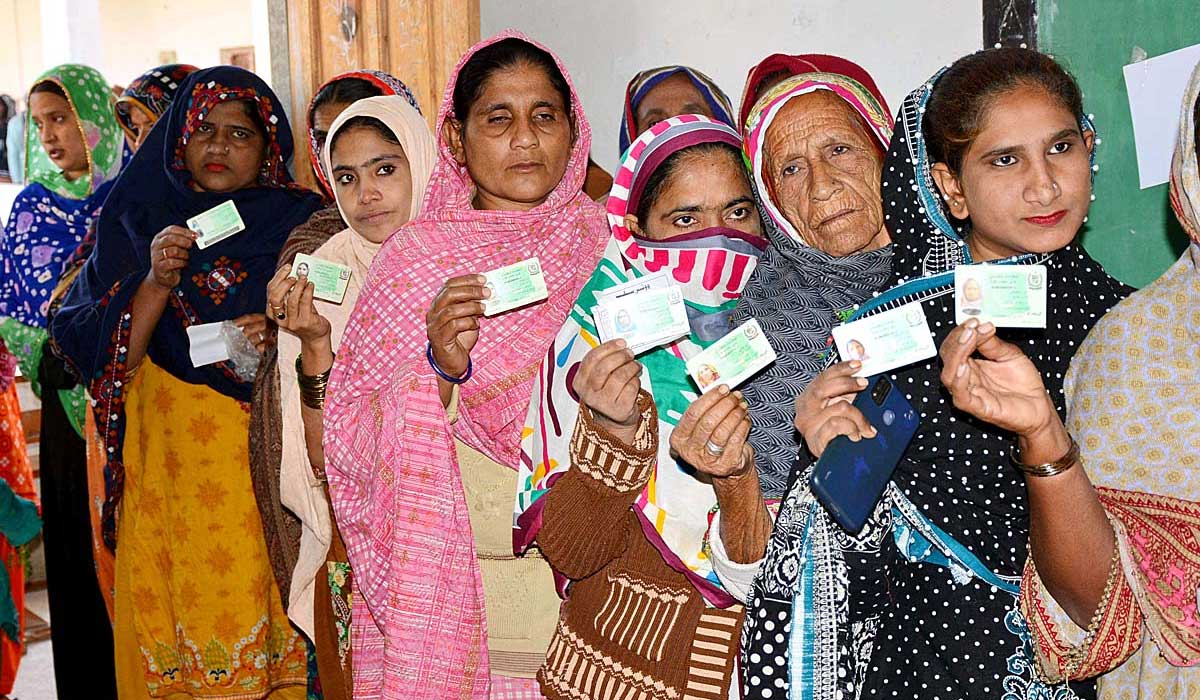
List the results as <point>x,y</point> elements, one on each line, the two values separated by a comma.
<point>419,629</point>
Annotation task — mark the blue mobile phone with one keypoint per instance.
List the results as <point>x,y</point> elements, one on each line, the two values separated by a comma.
<point>850,477</point>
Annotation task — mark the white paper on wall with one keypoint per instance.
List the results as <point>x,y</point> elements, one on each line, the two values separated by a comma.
<point>1155,87</point>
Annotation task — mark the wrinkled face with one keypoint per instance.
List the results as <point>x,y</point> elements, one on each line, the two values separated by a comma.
<point>822,171</point>
<point>1026,177</point>
<point>516,141</point>
<point>323,118</point>
<point>674,96</point>
<point>226,151</point>
<point>59,132</point>
<point>140,122</point>
<point>706,190</point>
<point>372,182</point>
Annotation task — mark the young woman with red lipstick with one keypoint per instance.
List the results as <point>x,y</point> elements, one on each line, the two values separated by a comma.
<point>990,162</point>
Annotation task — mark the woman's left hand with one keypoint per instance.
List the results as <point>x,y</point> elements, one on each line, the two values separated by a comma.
<point>711,436</point>
<point>1001,386</point>
<point>258,331</point>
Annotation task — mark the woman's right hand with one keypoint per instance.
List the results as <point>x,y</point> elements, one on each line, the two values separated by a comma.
<point>825,410</point>
<point>608,382</point>
<point>290,305</point>
<point>169,255</point>
<point>452,322</point>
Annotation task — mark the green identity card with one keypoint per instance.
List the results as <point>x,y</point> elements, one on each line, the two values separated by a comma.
<point>329,278</point>
<point>216,224</point>
<point>646,311</point>
<point>514,286</point>
<point>1010,296</point>
<point>887,340</point>
<point>733,359</point>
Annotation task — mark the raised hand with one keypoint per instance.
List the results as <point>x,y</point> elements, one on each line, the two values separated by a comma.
<point>825,409</point>
<point>452,322</point>
<point>712,434</point>
<point>169,255</point>
<point>608,382</point>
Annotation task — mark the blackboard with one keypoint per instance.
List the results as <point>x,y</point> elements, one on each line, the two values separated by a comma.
<point>1132,232</point>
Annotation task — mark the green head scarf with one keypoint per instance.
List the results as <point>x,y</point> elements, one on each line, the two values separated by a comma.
<point>88,93</point>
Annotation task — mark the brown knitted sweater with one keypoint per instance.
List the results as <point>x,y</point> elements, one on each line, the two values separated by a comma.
<point>631,627</point>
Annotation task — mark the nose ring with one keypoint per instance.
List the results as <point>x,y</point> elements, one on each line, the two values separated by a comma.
<point>1057,189</point>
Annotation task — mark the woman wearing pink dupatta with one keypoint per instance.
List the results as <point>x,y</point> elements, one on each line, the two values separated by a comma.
<point>412,459</point>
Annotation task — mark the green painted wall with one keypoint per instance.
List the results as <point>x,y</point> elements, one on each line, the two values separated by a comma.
<point>1131,231</point>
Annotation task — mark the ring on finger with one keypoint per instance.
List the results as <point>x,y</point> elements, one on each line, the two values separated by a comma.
<point>713,449</point>
<point>261,336</point>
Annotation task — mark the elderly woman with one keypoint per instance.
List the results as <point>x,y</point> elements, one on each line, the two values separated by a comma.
<point>815,143</point>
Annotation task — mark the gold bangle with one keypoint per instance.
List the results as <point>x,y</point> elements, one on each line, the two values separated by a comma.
<point>1062,464</point>
<point>312,387</point>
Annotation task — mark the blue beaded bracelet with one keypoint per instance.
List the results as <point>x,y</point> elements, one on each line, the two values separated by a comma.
<point>442,373</point>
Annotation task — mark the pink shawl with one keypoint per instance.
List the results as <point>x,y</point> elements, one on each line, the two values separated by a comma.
<point>419,626</point>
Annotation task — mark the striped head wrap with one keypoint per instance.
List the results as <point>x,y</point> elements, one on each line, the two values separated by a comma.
<point>647,80</point>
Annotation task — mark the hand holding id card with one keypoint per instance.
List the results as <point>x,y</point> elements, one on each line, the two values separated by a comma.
<point>733,359</point>
<point>887,340</point>
<point>647,312</point>
<point>514,286</point>
<point>1009,296</point>
<point>216,224</point>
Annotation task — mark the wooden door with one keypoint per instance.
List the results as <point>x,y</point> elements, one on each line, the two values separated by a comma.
<point>418,41</point>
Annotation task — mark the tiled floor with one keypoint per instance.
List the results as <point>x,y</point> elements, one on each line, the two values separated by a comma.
<point>35,677</point>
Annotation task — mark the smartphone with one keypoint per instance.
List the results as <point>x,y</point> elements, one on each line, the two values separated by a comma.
<point>850,477</point>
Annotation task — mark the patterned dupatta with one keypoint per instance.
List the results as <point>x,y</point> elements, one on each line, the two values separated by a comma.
<point>1139,370</point>
<point>221,282</point>
<point>387,85</point>
<point>675,508</point>
<point>419,623</point>
<point>50,219</point>
<point>798,293</point>
<point>151,92</point>
<point>642,83</point>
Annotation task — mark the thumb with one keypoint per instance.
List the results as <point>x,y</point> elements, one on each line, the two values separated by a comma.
<point>993,348</point>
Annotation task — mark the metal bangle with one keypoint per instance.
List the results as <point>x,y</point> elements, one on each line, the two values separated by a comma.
<point>1062,464</point>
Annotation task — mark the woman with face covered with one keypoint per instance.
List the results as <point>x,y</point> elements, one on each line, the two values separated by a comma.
<point>428,396</point>
<point>991,163</point>
<point>379,154</point>
<point>197,613</point>
<point>610,505</point>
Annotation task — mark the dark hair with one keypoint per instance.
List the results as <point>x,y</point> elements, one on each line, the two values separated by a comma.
<point>49,86</point>
<point>364,123</point>
<point>502,55</point>
<point>667,169</point>
<point>343,91</point>
<point>250,108</point>
<point>966,91</point>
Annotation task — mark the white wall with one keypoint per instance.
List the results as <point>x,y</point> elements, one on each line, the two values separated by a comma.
<point>134,32</point>
<point>900,42</point>
<point>21,50</point>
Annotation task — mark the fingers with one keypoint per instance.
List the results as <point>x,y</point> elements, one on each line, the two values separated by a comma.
<point>691,417</point>
<point>616,368</point>
<point>447,323</point>
<point>838,381</point>
<point>711,425</point>
<point>467,288</point>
